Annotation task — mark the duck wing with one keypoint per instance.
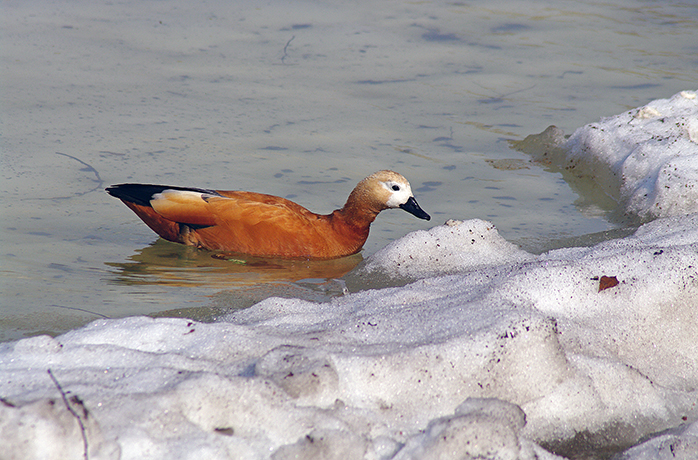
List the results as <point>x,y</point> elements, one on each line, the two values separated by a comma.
<point>245,222</point>
<point>201,208</point>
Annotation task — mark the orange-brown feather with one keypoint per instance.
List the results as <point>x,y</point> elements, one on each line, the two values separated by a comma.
<point>165,228</point>
<point>266,225</point>
<point>251,223</point>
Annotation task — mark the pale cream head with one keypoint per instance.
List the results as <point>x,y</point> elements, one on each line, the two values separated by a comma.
<point>391,187</point>
<point>388,189</point>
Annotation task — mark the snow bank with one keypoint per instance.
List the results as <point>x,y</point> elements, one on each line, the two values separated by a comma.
<point>646,159</point>
<point>436,366</point>
<point>502,355</point>
<point>450,248</point>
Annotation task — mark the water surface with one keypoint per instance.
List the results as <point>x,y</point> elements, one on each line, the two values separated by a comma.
<point>300,100</point>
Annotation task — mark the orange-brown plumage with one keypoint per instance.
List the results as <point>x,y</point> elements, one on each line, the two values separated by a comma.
<point>266,225</point>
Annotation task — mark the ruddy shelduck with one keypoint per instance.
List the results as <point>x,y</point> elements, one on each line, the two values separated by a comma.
<point>265,225</point>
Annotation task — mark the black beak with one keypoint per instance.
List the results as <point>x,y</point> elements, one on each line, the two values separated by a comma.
<point>413,208</point>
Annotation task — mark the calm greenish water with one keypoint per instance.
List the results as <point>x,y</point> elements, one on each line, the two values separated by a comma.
<point>300,100</point>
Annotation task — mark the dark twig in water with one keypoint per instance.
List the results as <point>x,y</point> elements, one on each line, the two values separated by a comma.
<point>286,48</point>
<point>501,98</point>
<point>81,309</point>
<point>98,180</point>
<point>76,400</point>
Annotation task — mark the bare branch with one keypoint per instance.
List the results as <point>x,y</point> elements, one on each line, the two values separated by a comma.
<point>75,400</point>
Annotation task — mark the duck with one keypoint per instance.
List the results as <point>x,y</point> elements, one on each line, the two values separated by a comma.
<point>263,225</point>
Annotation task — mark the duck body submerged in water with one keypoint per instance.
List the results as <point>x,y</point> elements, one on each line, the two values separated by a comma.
<point>265,225</point>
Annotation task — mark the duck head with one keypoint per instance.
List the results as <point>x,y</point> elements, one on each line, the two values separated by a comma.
<point>386,190</point>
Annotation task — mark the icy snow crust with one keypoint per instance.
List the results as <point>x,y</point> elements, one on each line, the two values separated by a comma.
<point>451,248</point>
<point>387,372</point>
<point>493,353</point>
<point>646,158</point>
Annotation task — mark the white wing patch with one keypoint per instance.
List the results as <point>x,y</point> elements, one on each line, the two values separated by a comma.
<point>183,206</point>
<point>181,197</point>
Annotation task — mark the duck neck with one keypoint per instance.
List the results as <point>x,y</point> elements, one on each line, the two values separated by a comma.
<point>358,211</point>
<point>358,219</point>
<point>353,221</point>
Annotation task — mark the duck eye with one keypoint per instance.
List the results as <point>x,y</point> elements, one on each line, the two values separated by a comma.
<point>396,188</point>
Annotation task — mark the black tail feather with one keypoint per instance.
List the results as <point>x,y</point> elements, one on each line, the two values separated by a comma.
<point>141,194</point>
